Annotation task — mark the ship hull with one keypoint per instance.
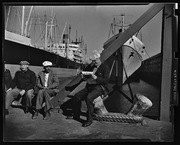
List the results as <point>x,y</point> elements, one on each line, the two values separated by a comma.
<point>14,52</point>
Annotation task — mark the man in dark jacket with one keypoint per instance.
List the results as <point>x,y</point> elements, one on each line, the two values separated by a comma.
<point>23,84</point>
<point>96,86</point>
<point>47,83</point>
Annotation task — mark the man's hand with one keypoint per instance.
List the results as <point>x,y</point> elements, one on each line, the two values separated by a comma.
<point>22,92</point>
<point>78,71</point>
<point>8,90</point>
<point>94,76</point>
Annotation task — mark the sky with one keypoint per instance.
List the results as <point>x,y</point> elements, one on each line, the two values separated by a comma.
<point>93,23</point>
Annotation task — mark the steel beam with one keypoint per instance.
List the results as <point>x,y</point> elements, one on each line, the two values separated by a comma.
<point>135,27</point>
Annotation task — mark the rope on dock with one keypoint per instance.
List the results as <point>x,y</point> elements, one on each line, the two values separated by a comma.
<point>118,117</point>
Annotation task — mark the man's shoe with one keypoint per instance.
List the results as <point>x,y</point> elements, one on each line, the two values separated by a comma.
<point>69,117</point>
<point>16,103</point>
<point>6,112</point>
<point>88,123</point>
<point>76,118</point>
<point>47,116</point>
<point>73,117</point>
<point>35,115</point>
<point>26,110</point>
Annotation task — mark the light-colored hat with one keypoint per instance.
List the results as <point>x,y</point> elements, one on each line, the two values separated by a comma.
<point>96,55</point>
<point>24,62</point>
<point>47,63</point>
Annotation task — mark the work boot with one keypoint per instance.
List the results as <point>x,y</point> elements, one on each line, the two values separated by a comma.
<point>47,115</point>
<point>26,110</point>
<point>77,118</point>
<point>69,117</point>
<point>35,115</point>
<point>73,116</point>
<point>87,123</point>
<point>16,103</point>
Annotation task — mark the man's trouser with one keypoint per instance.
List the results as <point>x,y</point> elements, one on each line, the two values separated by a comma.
<point>13,94</point>
<point>45,95</point>
<point>88,95</point>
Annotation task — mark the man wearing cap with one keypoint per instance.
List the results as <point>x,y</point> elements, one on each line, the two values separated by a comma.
<point>96,86</point>
<point>47,82</point>
<point>23,84</point>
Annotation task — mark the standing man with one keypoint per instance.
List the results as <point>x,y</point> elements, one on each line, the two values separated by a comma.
<point>48,83</point>
<point>23,84</point>
<point>96,86</point>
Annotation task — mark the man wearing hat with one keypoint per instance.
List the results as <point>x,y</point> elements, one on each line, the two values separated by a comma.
<point>47,83</point>
<point>96,86</point>
<point>23,84</point>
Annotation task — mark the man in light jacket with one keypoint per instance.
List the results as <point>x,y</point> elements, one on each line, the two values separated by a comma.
<point>47,83</point>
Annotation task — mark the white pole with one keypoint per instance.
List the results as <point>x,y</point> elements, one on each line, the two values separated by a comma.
<point>51,23</point>
<point>39,22</point>
<point>63,32</point>
<point>26,24</point>
<point>123,23</point>
<point>22,22</point>
<point>29,27</point>
<point>46,36</point>
<point>8,16</point>
<point>114,23</point>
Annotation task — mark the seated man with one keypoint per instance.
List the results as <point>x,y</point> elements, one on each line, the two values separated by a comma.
<point>47,83</point>
<point>96,86</point>
<point>23,84</point>
<point>7,78</point>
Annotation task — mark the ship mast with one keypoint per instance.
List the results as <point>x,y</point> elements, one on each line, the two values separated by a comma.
<point>114,25</point>
<point>51,26</point>
<point>26,24</point>
<point>22,22</point>
<point>122,23</point>
<point>62,33</point>
<point>8,17</point>
<point>46,36</point>
<point>50,31</point>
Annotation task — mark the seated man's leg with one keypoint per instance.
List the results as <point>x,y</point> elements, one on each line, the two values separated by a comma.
<point>28,98</point>
<point>39,101</point>
<point>90,105</point>
<point>48,94</point>
<point>10,96</point>
<point>76,106</point>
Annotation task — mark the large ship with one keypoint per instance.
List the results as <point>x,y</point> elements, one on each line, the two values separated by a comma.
<point>18,45</point>
<point>139,75</point>
<point>131,53</point>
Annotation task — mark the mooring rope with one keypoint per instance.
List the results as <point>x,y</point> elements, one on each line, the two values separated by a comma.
<point>118,117</point>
